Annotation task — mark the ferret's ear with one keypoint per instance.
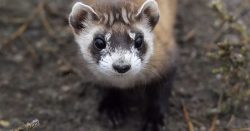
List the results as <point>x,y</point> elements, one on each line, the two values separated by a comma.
<point>149,11</point>
<point>80,15</point>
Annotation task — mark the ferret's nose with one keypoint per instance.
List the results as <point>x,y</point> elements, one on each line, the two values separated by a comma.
<point>121,68</point>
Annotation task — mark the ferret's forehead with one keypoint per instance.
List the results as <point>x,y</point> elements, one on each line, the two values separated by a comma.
<point>116,12</point>
<point>121,40</point>
<point>119,30</point>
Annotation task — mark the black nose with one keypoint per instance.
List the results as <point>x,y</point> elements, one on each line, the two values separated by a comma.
<point>121,68</point>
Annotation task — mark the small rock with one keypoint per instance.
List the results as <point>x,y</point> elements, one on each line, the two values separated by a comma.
<point>65,69</point>
<point>18,58</point>
<point>65,88</point>
<point>4,123</point>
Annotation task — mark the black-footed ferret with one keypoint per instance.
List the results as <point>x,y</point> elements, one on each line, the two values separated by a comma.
<point>128,44</point>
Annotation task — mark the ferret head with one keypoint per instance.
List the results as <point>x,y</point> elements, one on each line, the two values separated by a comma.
<point>115,38</point>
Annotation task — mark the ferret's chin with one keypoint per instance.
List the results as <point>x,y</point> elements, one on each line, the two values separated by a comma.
<point>119,80</point>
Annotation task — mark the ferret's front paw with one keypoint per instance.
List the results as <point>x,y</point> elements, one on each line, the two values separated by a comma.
<point>154,122</point>
<point>113,110</point>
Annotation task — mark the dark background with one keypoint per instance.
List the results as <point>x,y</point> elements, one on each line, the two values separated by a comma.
<point>41,76</point>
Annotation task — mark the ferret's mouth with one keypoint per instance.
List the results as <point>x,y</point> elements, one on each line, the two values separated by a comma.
<point>120,75</point>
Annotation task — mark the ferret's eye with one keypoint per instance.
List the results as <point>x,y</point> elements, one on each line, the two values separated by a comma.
<point>138,41</point>
<point>100,43</point>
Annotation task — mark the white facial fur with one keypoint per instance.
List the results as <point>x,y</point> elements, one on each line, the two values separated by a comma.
<point>149,38</point>
<point>104,70</point>
<point>84,39</point>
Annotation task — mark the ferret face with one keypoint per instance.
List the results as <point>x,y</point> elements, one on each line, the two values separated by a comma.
<point>115,39</point>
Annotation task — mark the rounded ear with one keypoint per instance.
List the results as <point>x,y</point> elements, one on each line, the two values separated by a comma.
<point>80,15</point>
<point>149,11</point>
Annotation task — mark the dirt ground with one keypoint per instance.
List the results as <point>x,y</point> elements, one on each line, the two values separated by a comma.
<point>41,76</point>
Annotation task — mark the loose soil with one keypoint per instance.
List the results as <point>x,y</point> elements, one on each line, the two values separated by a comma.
<point>41,76</point>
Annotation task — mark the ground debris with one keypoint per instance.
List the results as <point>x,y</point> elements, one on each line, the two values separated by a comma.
<point>28,126</point>
<point>20,31</point>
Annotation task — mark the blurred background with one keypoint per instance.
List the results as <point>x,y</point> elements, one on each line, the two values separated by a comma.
<point>41,76</point>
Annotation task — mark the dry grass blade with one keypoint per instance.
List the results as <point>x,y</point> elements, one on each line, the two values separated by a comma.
<point>213,126</point>
<point>219,103</point>
<point>30,48</point>
<point>45,22</point>
<point>187,118</point>
<point>16,34</point>
<point>74,69</point>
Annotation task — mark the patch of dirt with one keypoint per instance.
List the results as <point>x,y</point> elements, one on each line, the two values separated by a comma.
<point>39,71</point>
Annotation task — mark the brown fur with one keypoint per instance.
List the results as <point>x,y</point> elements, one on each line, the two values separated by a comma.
<point>164,47</point>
